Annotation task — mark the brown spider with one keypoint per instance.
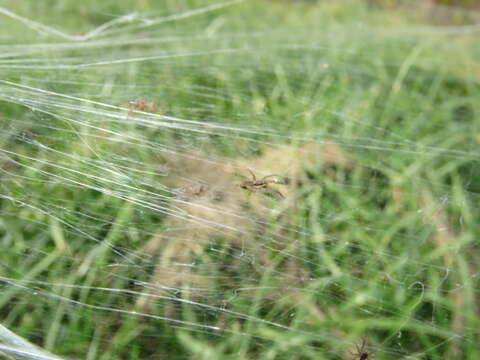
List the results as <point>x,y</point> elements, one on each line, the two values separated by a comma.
<point>143,105</point>
<point>362,353</point>
<point>261,184</point>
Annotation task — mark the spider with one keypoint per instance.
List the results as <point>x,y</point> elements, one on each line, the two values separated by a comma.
<point>362,353</point>
<point>143,105</point>
<point>261,184</point>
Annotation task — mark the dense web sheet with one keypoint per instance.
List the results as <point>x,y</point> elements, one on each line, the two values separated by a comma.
<point>18,348</point>
<point>206,191</point>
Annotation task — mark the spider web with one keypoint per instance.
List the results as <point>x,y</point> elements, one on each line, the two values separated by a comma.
<point>126,232</point>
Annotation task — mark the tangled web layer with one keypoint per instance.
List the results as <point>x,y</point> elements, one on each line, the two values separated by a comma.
<point>173,186</point>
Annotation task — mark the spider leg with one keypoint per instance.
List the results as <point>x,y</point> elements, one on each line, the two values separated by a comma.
<point>361,347</point>
<point>253,175</point>
<point>272,175</point>
<point>274,192</point>
<point>280,194</point>
<point>364,343</point>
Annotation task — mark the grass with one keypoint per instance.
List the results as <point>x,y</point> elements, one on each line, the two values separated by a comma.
<point>124,234</point>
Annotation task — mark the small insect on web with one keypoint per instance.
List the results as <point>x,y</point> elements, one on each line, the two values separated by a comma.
<point>256,185</point>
